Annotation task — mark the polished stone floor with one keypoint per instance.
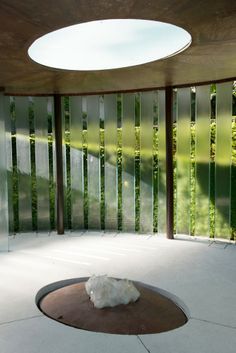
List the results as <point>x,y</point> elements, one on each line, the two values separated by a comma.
<point>200,273</point>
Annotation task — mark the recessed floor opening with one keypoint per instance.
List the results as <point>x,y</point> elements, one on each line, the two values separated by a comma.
<point>67,302</point>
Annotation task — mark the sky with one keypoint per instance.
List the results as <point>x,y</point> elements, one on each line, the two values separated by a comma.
<point>108,44</point>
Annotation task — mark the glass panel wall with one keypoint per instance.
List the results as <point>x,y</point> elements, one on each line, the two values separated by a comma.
<point>8,106</point>
<point>183,161</point>
<point>23,163</point>
<point>110,151</point>
<point>3,178</point>
<point>114,162</point>
<point>41,162</point>
<point>146,163</point>
<point>223,159</point>
<point>160,101</point>
<point>202,134</point>
<point>93,141</point>
<point>128,153</point>
<point>76,161</point>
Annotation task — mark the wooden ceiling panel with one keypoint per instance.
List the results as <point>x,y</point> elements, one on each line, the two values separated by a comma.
<point>212,55</point>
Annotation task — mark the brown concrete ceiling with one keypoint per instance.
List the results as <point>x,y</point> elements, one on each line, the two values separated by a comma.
<point>212,55</point>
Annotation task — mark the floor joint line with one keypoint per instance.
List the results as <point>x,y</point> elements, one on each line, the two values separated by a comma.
<point>18,320</point>
<point>213,322</point>
<point>143,344</point>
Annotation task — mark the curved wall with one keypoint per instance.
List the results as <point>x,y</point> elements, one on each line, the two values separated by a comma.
<point>3,182</point>
<point>114,162</point>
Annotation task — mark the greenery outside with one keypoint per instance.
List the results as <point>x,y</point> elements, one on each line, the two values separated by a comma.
<point>123,155</point>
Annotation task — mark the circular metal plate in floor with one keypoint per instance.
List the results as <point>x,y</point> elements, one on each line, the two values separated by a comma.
<point>152,313</point>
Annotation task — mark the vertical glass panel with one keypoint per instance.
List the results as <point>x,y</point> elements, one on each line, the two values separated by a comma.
<point>137,171</point>
<point>223,159</point>
<point>233,168</point>
<point>76,159</point>
<point>183,160</point>
<point>85,161</point>
<point>3,184</point>
<point>41,161</point>
<point>66,165</point>
<point>51,162</point>
<point>93,139</point>
<point>110,110</point>
<point>146,154</point>
<point>161,162</point>
<point>128,150</point>
<point>7,111</point>
<point>119,161</point>
<point>155,166</point>
<point>102,161</point>
<point>23,163</point>
<point>202,133</point>
<point>65,159</point>
<point>33,167</point>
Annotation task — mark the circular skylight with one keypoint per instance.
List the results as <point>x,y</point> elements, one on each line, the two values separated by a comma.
<point>109,44</point>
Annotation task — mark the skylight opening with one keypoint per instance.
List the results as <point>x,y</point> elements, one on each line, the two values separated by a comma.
<point>109,44</point>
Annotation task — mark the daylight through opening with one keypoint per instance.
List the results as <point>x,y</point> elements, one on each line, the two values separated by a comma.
<point>109,44</point>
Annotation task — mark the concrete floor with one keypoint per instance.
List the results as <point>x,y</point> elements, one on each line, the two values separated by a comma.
<point>200,273</point>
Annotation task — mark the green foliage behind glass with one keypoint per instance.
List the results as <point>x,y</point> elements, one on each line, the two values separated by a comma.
<point>124,156</point>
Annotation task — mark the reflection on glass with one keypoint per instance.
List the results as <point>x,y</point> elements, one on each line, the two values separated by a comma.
<point>8,107</point>
<point>183,160</point>
<point>85,161</point>
<point>51,162</point>
<point>93,139</point>
<point>33,167</point>
<point>41,161</point>
<point>104,137</point>
<point>223,159</point>
<point>76,163</point>
<point>23,163</point>
<point>128,151</point>
<point>137,173</point>
<point>146,153</point>
<point>67,166</point>
<point>102,161</point>
<point>161,163</point>
<point>202,133</point>
<point>3,184</point>
<point>110,134</point>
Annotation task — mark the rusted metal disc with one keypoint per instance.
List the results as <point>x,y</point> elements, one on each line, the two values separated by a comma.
<point>152,313</point>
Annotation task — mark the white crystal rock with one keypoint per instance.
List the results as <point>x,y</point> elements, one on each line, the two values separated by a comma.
<point>106,291</point>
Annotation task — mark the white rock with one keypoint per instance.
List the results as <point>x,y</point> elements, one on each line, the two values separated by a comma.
<point>106,291</point>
